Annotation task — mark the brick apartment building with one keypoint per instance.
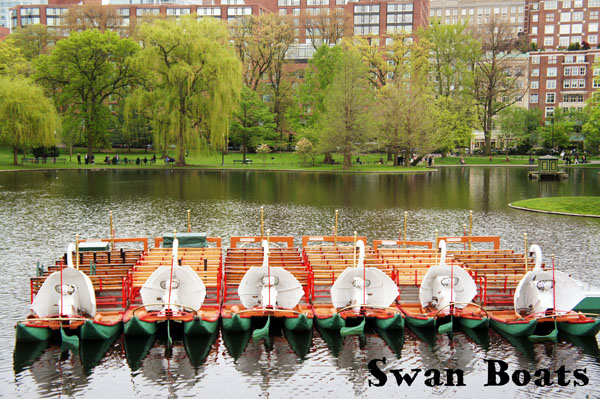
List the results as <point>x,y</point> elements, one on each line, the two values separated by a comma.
<point>560,76</point>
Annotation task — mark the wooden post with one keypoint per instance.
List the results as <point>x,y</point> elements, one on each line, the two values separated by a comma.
<point>112,230</point>
<point>189,221</point>
<point>354,259</point>
<point>76,252</point>
<point>470,228</point>
<point>262,222</point>
<point>405,223</point>
<point>526,255</point>
<point>335,228</point>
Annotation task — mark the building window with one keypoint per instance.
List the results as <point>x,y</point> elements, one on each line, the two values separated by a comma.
<point>594,3</point>
<point>534,18</point>
<point>580,58</point>
<point>549,29</point>
<point>565,17</point>
<point>548,41</point>
<point>593,27</point>
<point>566,84</point>
<point>566,3</point>
<point>578,16</point>
<point>288,3</point>
<point>578,3</point>
<point>550,5</point>
<point>569,59</point>
<point>596,84</point>
<point>551,84</point>
<point>534,30</point>
<point>535,59</point>
<point>552,59</point>
<point>550,72</point>
<point>549,112</point>
<point>582,71</point>
<point>535,84</point>
<point>593,39</point>
<point>563,41</point>
<point>550,17</point>
<point>565,29</point>
<point>533,98</point>
<point>535,72</point>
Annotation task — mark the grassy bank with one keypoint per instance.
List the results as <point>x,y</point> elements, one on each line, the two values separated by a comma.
<point>577,205</point>
<point>273,161</point>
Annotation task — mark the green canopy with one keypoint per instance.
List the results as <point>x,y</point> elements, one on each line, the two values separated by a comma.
<point>186,240</point>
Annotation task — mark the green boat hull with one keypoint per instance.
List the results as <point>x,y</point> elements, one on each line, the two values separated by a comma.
<point>514,329</point>
<point>474,324</point>
<point>590,304</point>
<point>300,323</point>
<point>200,327</point>
<point>580,329</point>
<point>335,322</point>
<point>236,342</point>
<point>300,341</point>
<point>236,323</point>
<point>32,334</point>
<point>91,331</point>
<point>135,326</point>
<point>428,322</point>
<point>395,322</point>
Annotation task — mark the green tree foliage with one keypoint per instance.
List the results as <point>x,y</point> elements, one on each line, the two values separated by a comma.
<point>452,53</point>
<point>495,75</point>
<point>591,129</point>
<point>521,124</point>
<point>12,61</point>
<point>408,110</point>
<point>252,121</point>
<point>84,72</point>
<point>28,118</point>
<point>347,119</point>
<point>32,40</point>
<point>305,150</point>
<point>263,150</point>
<point>192,84</point>
<point>562,129</point>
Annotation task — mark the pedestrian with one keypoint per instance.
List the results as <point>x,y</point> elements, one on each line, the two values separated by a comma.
<point>86,159</point>
<point>490,158</point>
<point>79,158</point>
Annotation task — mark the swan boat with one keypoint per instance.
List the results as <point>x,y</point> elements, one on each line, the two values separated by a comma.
<point>66,302</point>
<point>172,294</point>
<point>357,294</point>
<point>550,296</point>
<point>265,291</point>
<point>446,292</point>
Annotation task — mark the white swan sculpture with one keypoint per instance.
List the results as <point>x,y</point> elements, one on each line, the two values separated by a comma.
<point>169,286</point>
<point>65,293</point>
<point>360,286</point>
<point>541,290</point>
<point>443,284</point>
<point>269,287</point>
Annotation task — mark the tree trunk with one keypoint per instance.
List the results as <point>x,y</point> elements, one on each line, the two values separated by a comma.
<point>180,149</point>
<point>90,136</point>
<point>16,155</point>
<point>328,160</point>
<point>244,150</point>
<point>347,161</point>
<point>390,154</point>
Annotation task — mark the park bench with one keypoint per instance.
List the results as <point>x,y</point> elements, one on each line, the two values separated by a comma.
<point>247,161</point>
<point>32,160</point>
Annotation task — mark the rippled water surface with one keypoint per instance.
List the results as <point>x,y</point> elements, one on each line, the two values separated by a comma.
<point>41,211</point>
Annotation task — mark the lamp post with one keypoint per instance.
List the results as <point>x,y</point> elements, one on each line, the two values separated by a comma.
<point>223,151</point>
<point>553,131</point>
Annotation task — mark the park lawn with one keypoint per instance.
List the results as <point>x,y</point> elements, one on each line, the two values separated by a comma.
<point>272,161</point>
<point>483,160</point>
<point>578,205</point>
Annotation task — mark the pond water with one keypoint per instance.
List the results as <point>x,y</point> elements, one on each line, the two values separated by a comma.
<point>40,212</point>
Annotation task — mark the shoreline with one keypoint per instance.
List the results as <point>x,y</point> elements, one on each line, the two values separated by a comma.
<point>552,212</point>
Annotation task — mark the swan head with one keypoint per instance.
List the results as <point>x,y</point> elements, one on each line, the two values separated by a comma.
<point>70,250</point>
<point>361,253</point>
<point>265,246</point>
<point>537,254</point>
<point>442,247</point>
<point>175,247</point>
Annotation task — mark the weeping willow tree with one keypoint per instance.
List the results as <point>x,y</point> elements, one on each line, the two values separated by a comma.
<point>29,119</point>
<point>193,82</point>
